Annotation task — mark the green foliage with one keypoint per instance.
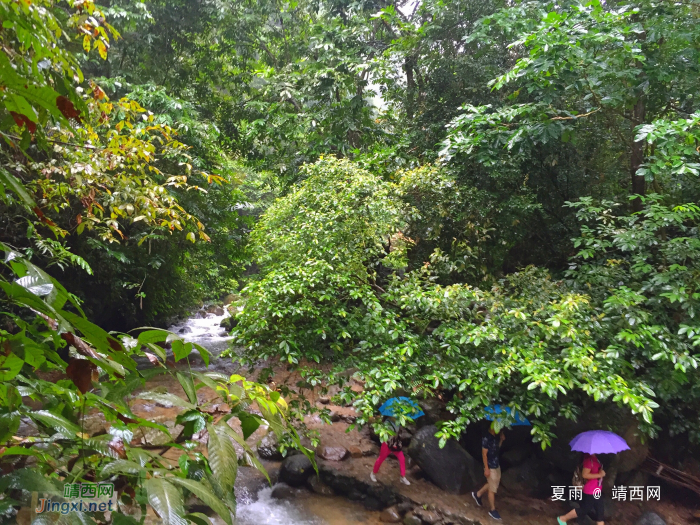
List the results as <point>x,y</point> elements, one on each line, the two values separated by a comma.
<point>100,375</point>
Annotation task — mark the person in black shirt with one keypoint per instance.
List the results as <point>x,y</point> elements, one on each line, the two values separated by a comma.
<point>490,447</point>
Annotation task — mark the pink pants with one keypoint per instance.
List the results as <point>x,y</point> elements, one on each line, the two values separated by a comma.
<point>384,453</point>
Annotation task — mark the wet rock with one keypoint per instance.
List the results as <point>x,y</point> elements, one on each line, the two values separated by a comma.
<point>631,459</point>
<point>404,507</point>
<point>427,516</point>
<point>650,518</point>
<point>451,468</point>
<point>282,491</point>
<point>334,416</point>
<point>371,503</point>
<point>184,330</point>
<point>202,314</point>
<point>229,299</point>
<point>229,323</point>
<point>412,519</point>
<point>332,453</point>
<point>515,456</point>
<point>268,447</point>
<point>348,418</point>
<point>295,470</point>
<point>390,515</point>
<point>528,479</point>
<point>319,487</point>
<point>324,400</point>
<point>355,452</point>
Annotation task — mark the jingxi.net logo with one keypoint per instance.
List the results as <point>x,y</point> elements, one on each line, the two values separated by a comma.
<point>82,497</point>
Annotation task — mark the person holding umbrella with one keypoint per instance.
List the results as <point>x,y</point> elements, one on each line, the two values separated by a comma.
<point>591,443</point>
<point>490,447</point>
<point>396,406</point>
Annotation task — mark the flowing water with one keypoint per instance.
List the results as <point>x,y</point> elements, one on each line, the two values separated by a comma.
<point>256,506</point>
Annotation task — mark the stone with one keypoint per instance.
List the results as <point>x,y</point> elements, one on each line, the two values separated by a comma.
<point>390,515</point>
<point>354,451</point>
<point>427,516</point>
<point>334,416</point>
<point>282,491</point>
<point>404,507</point>
<point>229,323</point>
<point>201,314</point>
<point>319,487</point>
<point>268,447</point>
<point>371,503</point>
<point>229,299</point>
<point>184,330</point>
<point>324,400</point>
<point>412,519</point>
<point>631,459</point>
<point>332,453</point>
<point>650,518</point>
<point>514,457</point>
<point>528,479</point>
<point>451,468</point>
<point>295,470</point>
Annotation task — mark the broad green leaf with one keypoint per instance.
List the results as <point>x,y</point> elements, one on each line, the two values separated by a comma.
<point>166,500</point>
<point>222,457</point>
<point>205,495</point>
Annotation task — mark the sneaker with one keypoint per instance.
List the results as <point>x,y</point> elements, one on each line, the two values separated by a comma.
<point>373,477</point>
<point>559,521</point>
<point>405,481</point>
<point>495,515</point>
<point>477,499</point>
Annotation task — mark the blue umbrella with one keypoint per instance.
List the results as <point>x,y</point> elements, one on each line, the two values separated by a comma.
<point>401,405</point>
<point>493,414</point>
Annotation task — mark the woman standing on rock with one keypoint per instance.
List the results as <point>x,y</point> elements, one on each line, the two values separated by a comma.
<point>392,446</point>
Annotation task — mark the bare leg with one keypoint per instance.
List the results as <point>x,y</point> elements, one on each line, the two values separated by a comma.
<point>571,515</point>
<point>492,500</point>
<point>482,490</point>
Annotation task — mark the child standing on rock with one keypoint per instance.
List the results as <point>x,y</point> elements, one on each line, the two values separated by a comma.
<point>392,446</point>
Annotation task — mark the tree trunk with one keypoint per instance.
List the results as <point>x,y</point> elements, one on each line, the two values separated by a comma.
<point>410,85</point>
<point>638,181</point>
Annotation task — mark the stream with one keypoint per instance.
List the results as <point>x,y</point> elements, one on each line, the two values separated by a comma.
<point>256,506</point>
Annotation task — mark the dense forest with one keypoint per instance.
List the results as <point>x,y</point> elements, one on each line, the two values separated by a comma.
<point>477,201</point>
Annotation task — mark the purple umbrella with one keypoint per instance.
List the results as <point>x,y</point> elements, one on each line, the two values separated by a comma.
<point>598,442</point>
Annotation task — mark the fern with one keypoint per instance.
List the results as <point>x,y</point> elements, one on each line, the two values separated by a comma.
<point>59,255</point>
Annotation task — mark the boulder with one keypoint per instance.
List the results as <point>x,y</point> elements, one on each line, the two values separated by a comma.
<point>650,518</point>
<point>229,323</point>
<point>184,330</point>
<point>229,299</point>
<point>427,516</point>
<point>451,468</point>
<point>324,400</point>
<point>202,314</point>
<point>528,479</point>
<point>632,459</point>
<point>282,491</point>
<point>268,447</point>
<point>355,451</point>
<point>319,487</point>
<point>412,519</point>
<point>332,453</point>
<point>295,470</point>
<point>390,515</point>
<point>371,503</point>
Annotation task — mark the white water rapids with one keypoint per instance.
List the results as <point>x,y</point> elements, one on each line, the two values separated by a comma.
<point>256,506</point>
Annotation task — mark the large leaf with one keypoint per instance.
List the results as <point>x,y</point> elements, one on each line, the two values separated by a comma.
<point>222,457</point>
<point>188,387</point>
<point>66,428</point>
<point>10,365</point>
<point>252,459</point>
<point>29,479</point>
<point>206,495</point>
<point>122,466</point>
<point>9,181</point>
<point>167,399</point>
<point>166,500</point>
